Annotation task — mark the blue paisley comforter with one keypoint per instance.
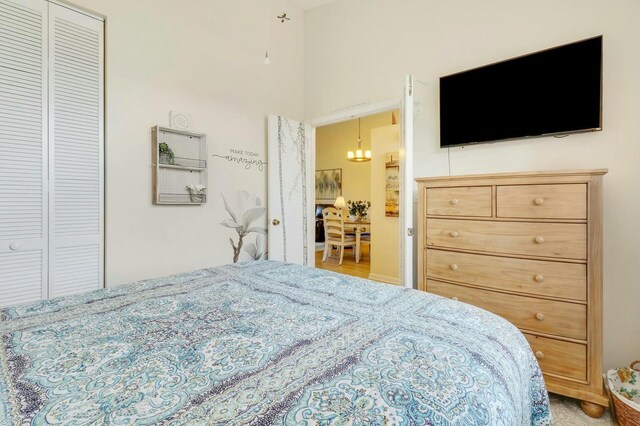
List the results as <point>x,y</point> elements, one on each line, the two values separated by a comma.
<point>264,343</point>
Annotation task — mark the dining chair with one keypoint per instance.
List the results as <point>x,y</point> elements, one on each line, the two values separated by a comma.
<point>335,234</point>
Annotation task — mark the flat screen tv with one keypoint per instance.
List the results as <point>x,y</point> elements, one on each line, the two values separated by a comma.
<point>555,91</point>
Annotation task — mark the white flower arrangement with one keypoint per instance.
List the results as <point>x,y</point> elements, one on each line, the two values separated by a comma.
<point>198,193</point>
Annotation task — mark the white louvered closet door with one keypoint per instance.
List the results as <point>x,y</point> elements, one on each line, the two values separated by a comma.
<point>23,151</point>
<point>76,177</point>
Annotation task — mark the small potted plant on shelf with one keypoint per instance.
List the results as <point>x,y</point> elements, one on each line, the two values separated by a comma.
<point>358,209</point>
<point>166,154</point>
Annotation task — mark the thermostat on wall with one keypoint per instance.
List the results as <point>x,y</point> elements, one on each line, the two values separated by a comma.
<point>179,120</point>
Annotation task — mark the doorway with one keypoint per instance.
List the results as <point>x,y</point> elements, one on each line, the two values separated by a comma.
<point>290,179</point>
<point>365,193</point>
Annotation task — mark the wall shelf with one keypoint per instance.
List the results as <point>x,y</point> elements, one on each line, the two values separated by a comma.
<point>171,166</point>
<point>168,198</point>
<point>182,162</point>
<point>179,162</point>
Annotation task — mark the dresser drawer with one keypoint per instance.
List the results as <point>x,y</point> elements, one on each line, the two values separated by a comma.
<point>537,315</point>
<point>523,238</point>
<point>564,359</point>
<point>459,201</point>
<point>560,201</point>
<point>535,277</point>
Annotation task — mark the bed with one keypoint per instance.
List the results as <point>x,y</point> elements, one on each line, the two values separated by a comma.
<point>264,343</point>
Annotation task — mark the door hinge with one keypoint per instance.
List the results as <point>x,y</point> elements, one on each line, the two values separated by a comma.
<point>410,232</point>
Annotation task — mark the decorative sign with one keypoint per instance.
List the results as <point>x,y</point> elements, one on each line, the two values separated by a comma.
<point>245,158</point>
<point>180,120</point>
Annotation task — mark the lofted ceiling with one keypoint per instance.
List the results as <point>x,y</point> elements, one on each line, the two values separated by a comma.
<point>311,4</point>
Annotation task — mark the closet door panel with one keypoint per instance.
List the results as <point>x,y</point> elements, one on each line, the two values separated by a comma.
<point>23,151</point>
<point>76,152</point>
<point>22,274</point>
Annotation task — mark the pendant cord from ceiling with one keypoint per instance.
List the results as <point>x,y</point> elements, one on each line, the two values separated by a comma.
<point>266,32</point>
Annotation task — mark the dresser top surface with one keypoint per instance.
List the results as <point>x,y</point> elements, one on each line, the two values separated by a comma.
<point>512,175</point>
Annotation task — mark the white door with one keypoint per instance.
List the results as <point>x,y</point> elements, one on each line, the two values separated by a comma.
<point>291,191</point>
<point>76,182</point>
<point>23,151</point>
<point>414,129</point>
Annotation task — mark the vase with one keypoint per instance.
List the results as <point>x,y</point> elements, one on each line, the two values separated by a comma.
<point>166,158</point>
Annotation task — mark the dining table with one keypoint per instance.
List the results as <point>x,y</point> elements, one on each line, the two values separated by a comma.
<point>358,227</point>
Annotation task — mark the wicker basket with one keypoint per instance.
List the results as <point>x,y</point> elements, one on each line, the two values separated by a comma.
<point>626,411</point>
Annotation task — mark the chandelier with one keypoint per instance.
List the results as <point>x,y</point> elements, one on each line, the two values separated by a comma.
<point>359,156</point>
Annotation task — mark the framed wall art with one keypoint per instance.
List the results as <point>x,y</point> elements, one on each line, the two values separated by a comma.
<point>328,185</point>
<point>392,185</point>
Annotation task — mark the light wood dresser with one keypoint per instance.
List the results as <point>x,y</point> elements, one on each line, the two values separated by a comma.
<point>528,247</point>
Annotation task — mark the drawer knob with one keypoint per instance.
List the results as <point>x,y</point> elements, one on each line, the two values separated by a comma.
<point>539,278</point>
<point>539,316</point>
<point>454,234</point>
<point>454,267</point>
<point>14,246</point>
<point>539,355</point>
<point>454,202</point>
<point>454,298</point>
<point>539,240</point>
<point>538,201</point>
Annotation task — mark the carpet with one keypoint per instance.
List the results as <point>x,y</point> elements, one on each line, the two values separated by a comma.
<point>567,412</point>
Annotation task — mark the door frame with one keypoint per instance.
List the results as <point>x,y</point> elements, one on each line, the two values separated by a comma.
<point>362,111</point>
<point>359,111</point>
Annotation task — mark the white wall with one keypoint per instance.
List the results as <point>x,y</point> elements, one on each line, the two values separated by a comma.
<point>377,42</point>
<point>205,58</point>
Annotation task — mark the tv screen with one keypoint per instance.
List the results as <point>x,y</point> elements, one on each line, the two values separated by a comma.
<point>550,92</point>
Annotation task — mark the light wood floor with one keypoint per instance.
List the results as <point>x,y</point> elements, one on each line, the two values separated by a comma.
<point>349,265</point>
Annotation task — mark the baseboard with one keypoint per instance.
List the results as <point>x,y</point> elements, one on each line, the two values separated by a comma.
<point>384,279</point>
